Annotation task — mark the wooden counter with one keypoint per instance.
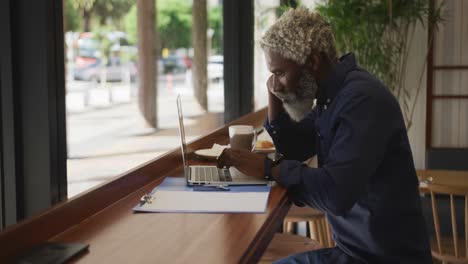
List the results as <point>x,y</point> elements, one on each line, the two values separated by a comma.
<point>103,217</point>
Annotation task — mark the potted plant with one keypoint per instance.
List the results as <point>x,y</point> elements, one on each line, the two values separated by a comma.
<point>380,32</point>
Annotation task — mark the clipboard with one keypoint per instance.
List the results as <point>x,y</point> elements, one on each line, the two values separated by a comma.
<point>174,196</point>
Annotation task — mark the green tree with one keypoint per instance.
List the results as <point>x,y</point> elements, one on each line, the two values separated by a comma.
<point>380,34</point>
<point>114,9</point>
<point>130,24</point>
<point>85,8</point>
<point>174,23</point>
<point>72,17</point>
<point>215,22</point>
<point>100,9</point>
<point>104,44</point>
<point>174,18</point>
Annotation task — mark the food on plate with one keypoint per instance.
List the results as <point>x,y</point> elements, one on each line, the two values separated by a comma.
<point>264,144</point>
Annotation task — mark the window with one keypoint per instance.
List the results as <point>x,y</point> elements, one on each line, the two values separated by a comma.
<point>448,71</point>
<point>107,132</point>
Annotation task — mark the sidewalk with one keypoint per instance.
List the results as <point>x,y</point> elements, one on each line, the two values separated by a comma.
<point>105,141</point>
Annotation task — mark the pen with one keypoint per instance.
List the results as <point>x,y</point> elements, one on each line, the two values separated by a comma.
<point>224,188</point>
<point>254,146</point>
<point>205,188</point>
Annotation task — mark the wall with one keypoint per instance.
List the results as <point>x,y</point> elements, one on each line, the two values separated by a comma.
<point>416,72</point>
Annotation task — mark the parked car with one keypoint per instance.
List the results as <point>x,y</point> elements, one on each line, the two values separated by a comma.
<point>174,64</point>
<point>115,71</point>
<point>215,67</point>
<point>88,63</point>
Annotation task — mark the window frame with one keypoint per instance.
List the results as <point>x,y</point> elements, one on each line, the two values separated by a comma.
<point>238,42</point>
<point>33,137</point>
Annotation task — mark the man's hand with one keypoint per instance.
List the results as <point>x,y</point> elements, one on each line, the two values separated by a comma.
<point>271,83</point>
<point>275,106</point>
<point>249,163</point>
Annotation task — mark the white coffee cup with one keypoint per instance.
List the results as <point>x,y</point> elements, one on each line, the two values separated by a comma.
<point>241,137</point>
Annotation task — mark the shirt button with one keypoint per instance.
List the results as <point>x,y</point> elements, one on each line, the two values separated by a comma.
<point>328,100</point>
<point>272,126</point>
<point>274,132</point>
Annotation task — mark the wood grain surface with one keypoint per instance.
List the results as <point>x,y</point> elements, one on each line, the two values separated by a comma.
<point>103,217</point>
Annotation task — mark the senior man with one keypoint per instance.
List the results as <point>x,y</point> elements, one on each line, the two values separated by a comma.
<point>366,182</point>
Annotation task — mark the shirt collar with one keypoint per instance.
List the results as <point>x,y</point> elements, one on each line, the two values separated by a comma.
<point>332,84</point>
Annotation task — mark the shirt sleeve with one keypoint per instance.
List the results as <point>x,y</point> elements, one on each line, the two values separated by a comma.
<point>356,151</point>
<point>295,140</point>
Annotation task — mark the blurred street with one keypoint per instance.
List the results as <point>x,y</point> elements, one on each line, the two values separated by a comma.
<point>107,136</point>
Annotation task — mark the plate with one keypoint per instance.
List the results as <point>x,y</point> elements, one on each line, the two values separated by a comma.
<point>208,153</point>
<point>259,149</point>
<point>262,150</point>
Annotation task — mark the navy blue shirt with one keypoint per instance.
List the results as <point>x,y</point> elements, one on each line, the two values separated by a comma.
<point>366,181</point>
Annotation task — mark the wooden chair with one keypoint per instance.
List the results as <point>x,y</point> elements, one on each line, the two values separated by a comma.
<point>316,220</point>
<point>284,245</point>
<point>449,249</point>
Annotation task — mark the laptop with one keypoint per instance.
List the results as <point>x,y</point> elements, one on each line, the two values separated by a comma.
<point>210,175</point>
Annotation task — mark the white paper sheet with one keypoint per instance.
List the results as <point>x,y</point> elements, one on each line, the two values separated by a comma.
<point>207,202</point>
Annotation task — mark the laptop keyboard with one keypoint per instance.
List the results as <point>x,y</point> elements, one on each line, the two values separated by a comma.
<point>210,174</point>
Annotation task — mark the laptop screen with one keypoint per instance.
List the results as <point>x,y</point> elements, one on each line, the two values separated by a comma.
<point>183,145</point>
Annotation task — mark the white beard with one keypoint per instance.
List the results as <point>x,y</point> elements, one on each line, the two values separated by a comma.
<point>299,110</point>
<point>299,103</point>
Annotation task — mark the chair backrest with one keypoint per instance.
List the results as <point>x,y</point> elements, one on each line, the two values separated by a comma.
<point>451,191</point>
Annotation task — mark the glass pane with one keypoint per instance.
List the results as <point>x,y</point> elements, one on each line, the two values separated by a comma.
<point>447,41</point>
<point>106,132</point>
<point>448,82</point>
<point>446,123</point>
<point>463,142</point>
<point>265,16</point>
<point>464,33</point>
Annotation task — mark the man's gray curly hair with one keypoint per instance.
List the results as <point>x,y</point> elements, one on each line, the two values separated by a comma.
<point>297,33</point>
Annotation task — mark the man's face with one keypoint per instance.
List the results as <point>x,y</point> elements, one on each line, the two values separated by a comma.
<point>293,84</point>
